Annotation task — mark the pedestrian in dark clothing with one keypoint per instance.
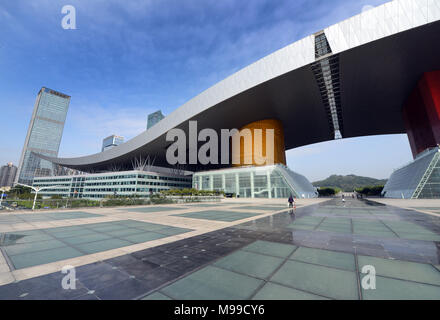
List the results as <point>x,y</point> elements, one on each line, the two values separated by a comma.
<point>291,201</point>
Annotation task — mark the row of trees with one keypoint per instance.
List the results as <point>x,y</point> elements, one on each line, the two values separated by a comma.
<point>328,191</point>
<point>23,197</point>
<point>372,191</point>
<point>22,193</point>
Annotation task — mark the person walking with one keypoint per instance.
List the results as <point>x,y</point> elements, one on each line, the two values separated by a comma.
<point>291,201</point>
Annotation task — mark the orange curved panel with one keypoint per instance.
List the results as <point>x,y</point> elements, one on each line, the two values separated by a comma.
<point>259,143</point>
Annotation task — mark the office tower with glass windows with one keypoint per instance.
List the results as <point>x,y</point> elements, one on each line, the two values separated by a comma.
<point>43,135</point>
<point>111,141</point>
<point>7,175</point>
<point>154,118</point>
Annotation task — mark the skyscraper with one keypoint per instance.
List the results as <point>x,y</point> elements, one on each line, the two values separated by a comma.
<point>111,142</point>
<point>154,118</point>
<point>7,175</point>
<point>44,135</point>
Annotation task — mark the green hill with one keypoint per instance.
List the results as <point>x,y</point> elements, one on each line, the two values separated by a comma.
<point>349,183</point>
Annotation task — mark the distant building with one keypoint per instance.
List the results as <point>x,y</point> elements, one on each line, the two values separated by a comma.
<point>7,175</point>
<point>43,136</point>
<point>124,183</point>
<point>154,118</point>
<point>111,142</point>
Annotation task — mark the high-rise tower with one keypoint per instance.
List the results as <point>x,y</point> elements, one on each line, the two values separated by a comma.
<point>43,135</point>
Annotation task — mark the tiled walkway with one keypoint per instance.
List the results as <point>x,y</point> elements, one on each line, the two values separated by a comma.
<point>34,244</point>
<point>317,252</point>
<point>41,246</point>
<point>34,217</point>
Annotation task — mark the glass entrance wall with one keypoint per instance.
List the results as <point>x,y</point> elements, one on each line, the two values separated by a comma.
<point>275,181</point>
<point>419,179</point>
<point>431,188</point>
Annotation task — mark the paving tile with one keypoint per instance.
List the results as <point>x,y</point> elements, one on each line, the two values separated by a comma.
<point>301,226</point>
<point>173,231</point>
<point>270,248</point>
<point>419,236</point>
<point>152,209</point>
<point>157,276</point>
<point>203,205</point>
<point>273,291</point>
<point>374,233</point>
<point>41,288</point>
<point>33,247</point>
<point>266,208</point>
<point>102,245</point>
<point>99,275</point>
<point>124,232</point>
<point>249,263</point>
<point>329,282</point>
<point>156,296</point>
<point>108,227</point>
<point>5,278</point>
<point>212,283</point>
<point>42,257</point>
<point>87,296</point>
<point>143,237</point>
<point>33,238</point>
<point>325,257</point>
<point>227,216</point>
<point>124,290</point>
<point>405,270</point>
<point>86,238</point>
<point>393,289</point>
<point>336,229</point>
<point>185,265</point>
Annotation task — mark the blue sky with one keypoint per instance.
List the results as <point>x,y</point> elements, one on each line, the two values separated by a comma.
<point>127,59</point>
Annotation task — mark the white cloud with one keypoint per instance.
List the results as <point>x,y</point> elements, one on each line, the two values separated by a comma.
<point>86,126</point>
<point>367,7</point>
<point>100,121</point>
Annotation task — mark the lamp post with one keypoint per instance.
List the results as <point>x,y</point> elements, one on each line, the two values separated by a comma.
<point>37,189</point>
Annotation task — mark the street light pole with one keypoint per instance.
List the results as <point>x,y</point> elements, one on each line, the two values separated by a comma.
<point>37,189</point>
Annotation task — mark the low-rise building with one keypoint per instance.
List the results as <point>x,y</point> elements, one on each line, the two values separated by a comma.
<point>124,183</point>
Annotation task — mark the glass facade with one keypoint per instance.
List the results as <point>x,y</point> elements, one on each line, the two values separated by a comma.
<point>154,118</point>
<point>275,181</point>
<point>44,135</point>
<point>111,142</point>
<point>418,180</point>
<point>98,186</point>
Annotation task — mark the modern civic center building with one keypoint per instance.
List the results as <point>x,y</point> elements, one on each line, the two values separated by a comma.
<point>375,73</point>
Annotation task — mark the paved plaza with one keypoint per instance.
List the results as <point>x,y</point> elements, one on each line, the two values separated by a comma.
<point>229,250</point>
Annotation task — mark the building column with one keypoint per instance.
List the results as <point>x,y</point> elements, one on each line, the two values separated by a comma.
<point>200,183</point>
<point>223,182</point>
<point>269,185</point>
<point>211,182</point>
<point>421,113</point>
<point>252,185</point>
